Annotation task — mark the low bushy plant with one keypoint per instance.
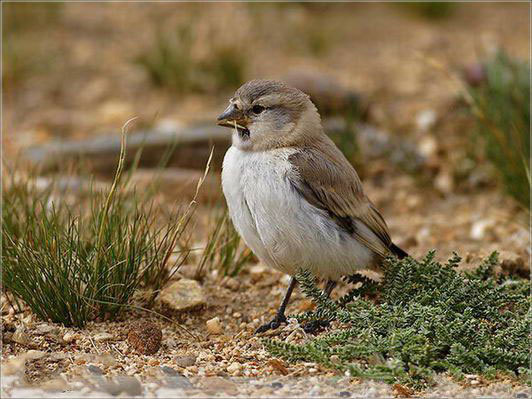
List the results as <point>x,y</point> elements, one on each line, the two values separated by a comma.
<point>422,319</point>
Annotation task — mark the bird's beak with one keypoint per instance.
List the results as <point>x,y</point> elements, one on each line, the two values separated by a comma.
<point>232,116</point>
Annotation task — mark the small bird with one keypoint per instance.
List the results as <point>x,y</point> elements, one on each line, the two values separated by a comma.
<point>292,195</point>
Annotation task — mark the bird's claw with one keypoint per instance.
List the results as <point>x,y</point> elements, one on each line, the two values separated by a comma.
<point>314,326</point>
<point>272,325</point>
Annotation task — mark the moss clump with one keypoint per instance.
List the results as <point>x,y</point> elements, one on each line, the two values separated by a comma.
<point>423,318</point>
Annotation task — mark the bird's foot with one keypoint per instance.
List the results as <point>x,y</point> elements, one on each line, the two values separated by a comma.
<point>315,326</point>
<point>272,325</point>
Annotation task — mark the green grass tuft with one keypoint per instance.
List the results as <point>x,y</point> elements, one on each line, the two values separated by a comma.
<point>424,318</point>
<point>71,264</point>
<point>501,104</point>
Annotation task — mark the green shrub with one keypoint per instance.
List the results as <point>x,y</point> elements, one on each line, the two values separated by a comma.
<point>71,265</point>
<point>423,318</point>
<point>501,105</point>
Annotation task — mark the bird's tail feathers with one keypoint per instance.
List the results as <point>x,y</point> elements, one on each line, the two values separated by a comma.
<point>398,251</point>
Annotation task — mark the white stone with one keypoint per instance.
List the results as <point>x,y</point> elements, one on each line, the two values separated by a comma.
<point>101,337</point>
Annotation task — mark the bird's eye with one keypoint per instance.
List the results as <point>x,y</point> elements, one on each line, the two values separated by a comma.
<point>257,109</point>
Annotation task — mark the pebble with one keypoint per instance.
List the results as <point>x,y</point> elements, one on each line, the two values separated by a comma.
<point>56,384</point>
<point>219,385</point>
<point>43,329</point>
<point>234,367</point>
<point>145,338</point>
<point>20,336</point>
<point>344,394</point>
<point>425,119</point>
<point>129,385</point>
<point>34,355</point>
<point>102,337</point>
<point>214,326</point>
<point>13,366</point>
<point>183,295</point>
<point>70,336</point>
<point>335,359</point>
<point>185,361</point>
<point>95,369</point>
<point>256,272</point>
<point>479,228</point>
<point>231,283</point>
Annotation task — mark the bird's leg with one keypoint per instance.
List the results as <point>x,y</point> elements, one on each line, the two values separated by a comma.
<point>313,326</point>
<point>279,317</point>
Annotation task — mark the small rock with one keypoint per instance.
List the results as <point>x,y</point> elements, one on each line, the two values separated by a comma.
<point>219,385</point>
<point>427,146</point>
<point>43,329</point>
<point>54,385</point>
<point>145,338</point>
<point>344,394</point>
<point>444,182</point>
<point>256,272</point>
<point>169,370</point>
<point>479,228</point>
<point>110,387</point>
<point>70,336</point>
<point>130,385</point>
<point>185,361</point>
<point>214,326</point>
<point>20,336</point>
<point>35,355</point>
<point>102,337</point>
<point>231,283</point>
<point>234,367</point>
<point>335,359</point>
<point>183,295</point>
<point>277,385</point>
<point>15,365</point>
<point>425,119</point>
<point>95,369</point>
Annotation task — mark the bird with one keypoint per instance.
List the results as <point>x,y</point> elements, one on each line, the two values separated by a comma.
<point>292,195</point>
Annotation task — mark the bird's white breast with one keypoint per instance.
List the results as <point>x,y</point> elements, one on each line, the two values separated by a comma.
<point>283,229</point>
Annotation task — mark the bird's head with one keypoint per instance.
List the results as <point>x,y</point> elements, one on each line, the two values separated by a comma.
<point>268,114</point>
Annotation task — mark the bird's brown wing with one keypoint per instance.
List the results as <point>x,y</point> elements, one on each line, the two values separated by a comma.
<point>324,177</point>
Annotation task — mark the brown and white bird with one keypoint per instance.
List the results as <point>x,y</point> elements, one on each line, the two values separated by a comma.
<point>292,195</point>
